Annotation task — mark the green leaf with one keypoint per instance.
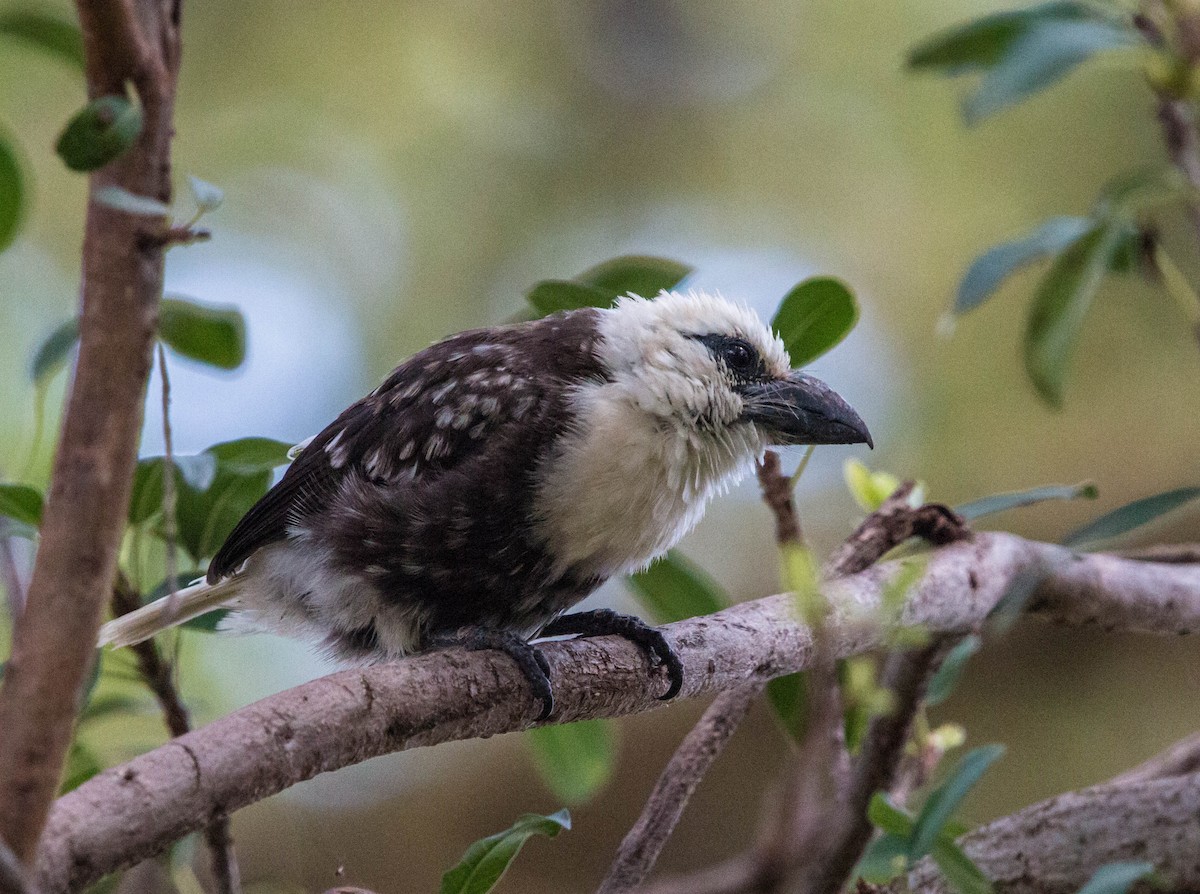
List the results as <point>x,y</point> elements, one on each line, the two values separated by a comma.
<point>553,295</point>
<point>947,676</point>
<point>247,456</point>
<point>674,589</point>
<point>487,859</point>
<point>1130,516</point>
<point>130,203</point>
<point>1060,306</point>
<point>45,31</point>
<point>210,334</point>
<point>82,765</point>
<point>996,264</point>
<point>112,703</point>
<point>12,194</point>
<point>984,42</point>
<point>205,518</point>
<point>1011,605</point>
<point>21,503</point>
<point>944,800</point>
<point>575,759</point>
<point>182,579</point>
<point>1016,499</point>
<point>1046,54</point>
<point>788,697</point>
<point>209,622</point>
<point>635,274</point>
<point>813,317</point>
<point>196,471</point>
<point>52,354</point>
<point>959,869</point>
<point>101,131</point>
<point>1117,878</point>
<point>884,859</point>
<point>207,197</point>
<point>886,817</point>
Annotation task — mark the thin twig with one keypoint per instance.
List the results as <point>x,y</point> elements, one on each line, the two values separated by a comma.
<point>10,577</point>
<point>170,526</point>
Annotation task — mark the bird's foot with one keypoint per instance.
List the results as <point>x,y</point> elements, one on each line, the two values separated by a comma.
<point>529,660</point>
<point>605,622</point>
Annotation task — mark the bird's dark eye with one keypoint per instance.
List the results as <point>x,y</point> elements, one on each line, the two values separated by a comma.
<point>739,357</point>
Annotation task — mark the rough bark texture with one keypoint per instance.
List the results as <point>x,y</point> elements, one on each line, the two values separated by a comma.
<point>125,42</point>
<point>135,810</point>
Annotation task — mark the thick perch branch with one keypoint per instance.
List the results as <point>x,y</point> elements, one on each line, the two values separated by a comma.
<point>135,810</point>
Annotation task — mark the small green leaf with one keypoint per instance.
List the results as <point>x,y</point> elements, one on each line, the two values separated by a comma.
<point>52,354</point>
<point>813,317</point>
<point>984,42</point>
<point>1130,516</point>
<point>1060,306</point>
<point>869,489</point>
<point>553,295</point>
<point>944,800</point>
<point>886,817</point>
<point>1016,499</point>
<point>960,870</point>
<point>211,334</point>
<point>205,518</point>
<point>196,471</point>
<point>1117,878</point>
<point>101,131</point>
<point>247,456</point>
<point>209,622</point>
<point>1011,605</point>
<point>47,32</point>
<point>21,503</point>
<point>182,579</point>
<point>82,765</point>
<point>947,676</point>
<point>12,194</point>
<point>884,859</point>
<point>674,589</point>
<point>635,274</point>
<point>487,859</point>
<point>575,759</point>
<point>996,264</point>
<point>112,703</point>
<point>208,197</point>
<point>1042,57</point>
<point>788,697</point>
<point>130,203</point>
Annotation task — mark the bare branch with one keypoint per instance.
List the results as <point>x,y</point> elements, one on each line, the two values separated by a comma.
<point>1181,759</point>
<point>93,468</point>
<point>135,810</point>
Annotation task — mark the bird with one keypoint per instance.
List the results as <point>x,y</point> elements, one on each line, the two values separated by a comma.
<point>499,476</point>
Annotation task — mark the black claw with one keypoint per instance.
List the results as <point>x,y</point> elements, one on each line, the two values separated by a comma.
<point>529,660</point>
<point>605,622</point>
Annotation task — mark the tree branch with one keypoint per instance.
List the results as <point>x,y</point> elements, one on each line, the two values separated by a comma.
<point>137,809</point>
<point>93,469</point>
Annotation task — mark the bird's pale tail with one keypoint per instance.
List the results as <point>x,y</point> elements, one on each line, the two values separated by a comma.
<point>190,602</point>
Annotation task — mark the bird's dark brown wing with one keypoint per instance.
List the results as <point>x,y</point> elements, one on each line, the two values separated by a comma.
<point>432,413</point>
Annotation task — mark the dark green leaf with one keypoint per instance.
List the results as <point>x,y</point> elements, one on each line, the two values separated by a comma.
<point>130,203</point>
<point>52,354</point>
<point>886,817</point>
<point>208,197</point>
<point>959,869</point>
<point>1011,605</point>
<point>944,800</point>
<point>637,274</point>
<point>208,622</point>
<point>21,503</point>
<point>884,859</point>
<point>1117,878</point>
<point>552,295</point>
<point>112,703</point>
<point>12,194</point>
<point>1046,54</point>
<point>788,696</point>
<point>246,456</point>
<point>182,579</point>
<point>197,471</point>
<point>82,765</point>
<point>211,334</point>
<point>1130,516</point>
<point>947,676</point>
<point>101,131</point>
<point>205,518</point>
<point>574,759</point>
<point>996,264</point>
<point>487,859</point>
<point>47,32</point>
<point>813,317</point>
<point>984,42</point>
<point>1016,499</point>
<point>1060,306</point>
<point>93,677</point>
<point>674,589</point>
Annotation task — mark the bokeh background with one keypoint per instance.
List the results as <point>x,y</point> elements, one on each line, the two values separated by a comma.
<point>396,171</point>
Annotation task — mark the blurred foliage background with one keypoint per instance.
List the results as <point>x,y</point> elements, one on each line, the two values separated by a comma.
<point>396,171</point>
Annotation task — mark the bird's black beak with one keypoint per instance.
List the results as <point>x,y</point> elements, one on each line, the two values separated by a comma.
<point>803,410</point>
